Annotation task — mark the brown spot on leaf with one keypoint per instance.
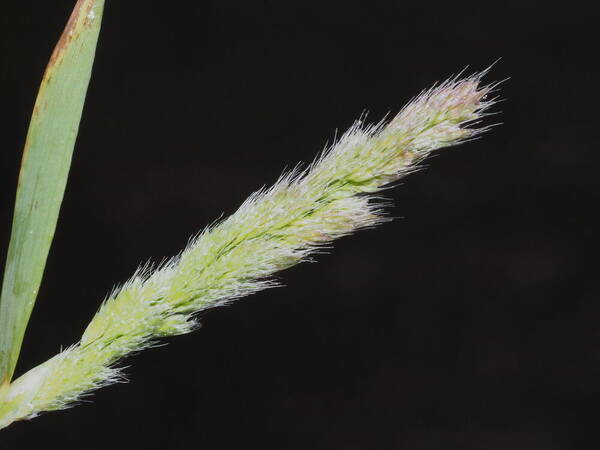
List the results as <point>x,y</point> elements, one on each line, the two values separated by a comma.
<point>82,9</point>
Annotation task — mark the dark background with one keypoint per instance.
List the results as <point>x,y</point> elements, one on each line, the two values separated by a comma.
<point>471,323</point>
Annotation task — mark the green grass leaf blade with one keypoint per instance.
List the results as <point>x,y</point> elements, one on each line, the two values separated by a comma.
<point>44,171</point>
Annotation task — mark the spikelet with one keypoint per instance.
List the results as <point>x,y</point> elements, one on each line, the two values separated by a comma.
<point>272,230</point>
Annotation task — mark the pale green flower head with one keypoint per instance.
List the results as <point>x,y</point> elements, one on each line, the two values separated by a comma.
<point>274,229</point>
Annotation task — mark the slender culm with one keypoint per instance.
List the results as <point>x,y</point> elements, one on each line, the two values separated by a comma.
<point>273,229</point>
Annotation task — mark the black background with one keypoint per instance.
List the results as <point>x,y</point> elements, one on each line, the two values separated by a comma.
<point>470,323</point>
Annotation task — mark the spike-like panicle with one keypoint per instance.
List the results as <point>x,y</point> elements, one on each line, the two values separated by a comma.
<point>272,230</point>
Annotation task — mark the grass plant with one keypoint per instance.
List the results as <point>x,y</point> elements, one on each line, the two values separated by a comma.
<point>275,228</point>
